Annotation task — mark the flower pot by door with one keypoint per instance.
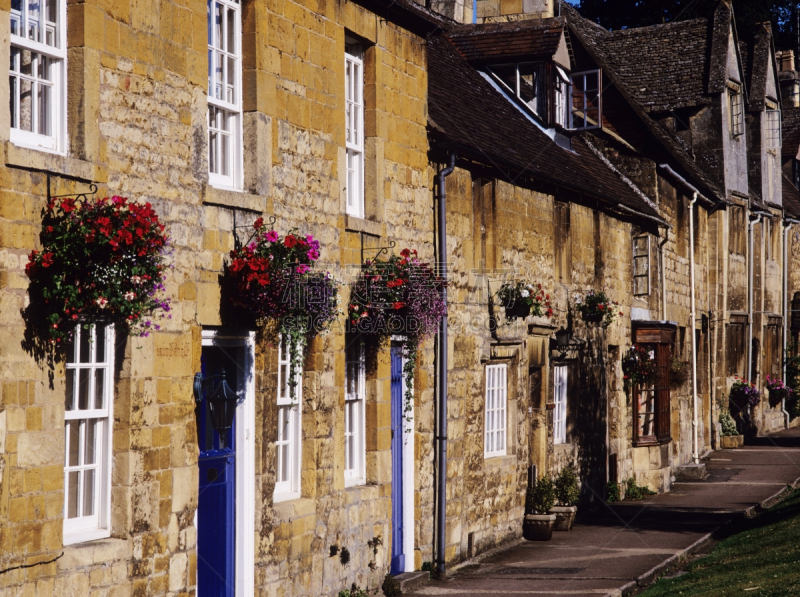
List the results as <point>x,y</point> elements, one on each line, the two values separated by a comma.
<point>538,527</point>
<point>565,517</point>
<point>730,442</point>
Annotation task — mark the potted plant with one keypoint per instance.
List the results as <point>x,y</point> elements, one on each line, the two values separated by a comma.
<point>742,397</point>
<point>729,435</point>
<point>540,497</point>
<point>273,279</point>
<point>778,391</point>
<point>639,368</point>
<point>399,297</point>
<point>520,299</point>
<point>567,494</point>
<point>596,307</point>
<point>678,372</point>
<point>100,260</point>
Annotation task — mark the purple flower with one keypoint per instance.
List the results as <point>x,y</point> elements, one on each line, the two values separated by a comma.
<point>272,236</point>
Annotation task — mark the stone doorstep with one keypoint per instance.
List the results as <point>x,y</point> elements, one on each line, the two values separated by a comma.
<point>691,472</point>
<point>411,580</point>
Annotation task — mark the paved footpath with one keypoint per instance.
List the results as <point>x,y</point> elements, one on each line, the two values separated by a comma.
<point>614,551</point>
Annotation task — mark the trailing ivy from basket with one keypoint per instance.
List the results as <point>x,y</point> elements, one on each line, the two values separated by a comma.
<point>400,297</point>
<point>273,280</point>
<point>100,259</point>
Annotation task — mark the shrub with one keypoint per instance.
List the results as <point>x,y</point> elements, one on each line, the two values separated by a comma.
<point>636,492</point>
<point>540,497</point>
<point>353,591</point>
<point>566,487</point>
<point>728,424</point>
<point>390,586</point>
<point>612,492</point>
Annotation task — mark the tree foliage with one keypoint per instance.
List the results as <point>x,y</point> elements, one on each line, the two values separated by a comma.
<point>621,14</point>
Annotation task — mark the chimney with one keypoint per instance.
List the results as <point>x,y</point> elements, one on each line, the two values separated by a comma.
<point>785,60</point>
<point>493,11</point>
<point>458,10</point>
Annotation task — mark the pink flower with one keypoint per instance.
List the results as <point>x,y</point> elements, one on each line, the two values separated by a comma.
<point>101,302</point>
<point>129,296</point>
<point>302,268</point>
<point>272,236</point>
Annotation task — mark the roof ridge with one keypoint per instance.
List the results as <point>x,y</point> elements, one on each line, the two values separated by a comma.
<point>663,26</point>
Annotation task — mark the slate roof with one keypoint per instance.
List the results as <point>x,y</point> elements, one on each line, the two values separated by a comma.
<point>594,38</point>
<point>755,59</point>
<point>472,115</point>
<point>533,39</point>
<point>791,199</point>
<point>664,67</point>
<point>791,131</point>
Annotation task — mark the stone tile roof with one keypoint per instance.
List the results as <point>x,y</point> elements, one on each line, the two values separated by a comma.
<point>410,15</point>
<point>470,114</point>
<point>594,38</point>
<point>664,67</point>
<point>791,199</point>
<point>534,39</point>
<point>791,132</point>
<point>755,60</point>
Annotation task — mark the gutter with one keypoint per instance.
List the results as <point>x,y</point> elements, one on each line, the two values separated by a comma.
<point>441,376</point>
<point>695,195</point>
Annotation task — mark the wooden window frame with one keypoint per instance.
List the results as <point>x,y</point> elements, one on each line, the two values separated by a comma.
<point>641,256</point>
<point>736,355</point>
<point>660,341</point>
<point>736,108</point>
<point>82,367</point>
<point>578,115</point>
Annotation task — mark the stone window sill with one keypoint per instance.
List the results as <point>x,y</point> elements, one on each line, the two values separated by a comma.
<point>293,508</point>
<point>17,156</point>
<point>353,224</point>
<point>235,199</point>
<point>509,460</point>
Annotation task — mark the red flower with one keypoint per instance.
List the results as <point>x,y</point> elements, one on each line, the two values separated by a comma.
<point>405,253</point>
<point>399,305</point>
<point>290,241</point>
<point>258,223</point>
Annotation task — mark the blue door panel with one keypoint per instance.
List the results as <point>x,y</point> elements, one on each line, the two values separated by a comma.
<point>398,558</point>
<point>216,508</point>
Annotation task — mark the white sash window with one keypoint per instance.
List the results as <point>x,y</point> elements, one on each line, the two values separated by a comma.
<point>496,397</point>
<point>37,74</point>
<point>560,399</point>
<point>88,427</point>
<point>288,442</point>
<point>354,128</point>
<point>224,93</point>
<point>355,394</point>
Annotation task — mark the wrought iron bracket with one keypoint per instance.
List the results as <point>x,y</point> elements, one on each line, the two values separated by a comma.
<point>381,250</point>
<point>76,196</point>
<point>236,242</point>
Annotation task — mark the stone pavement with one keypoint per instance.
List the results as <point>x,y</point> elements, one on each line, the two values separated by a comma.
<point>614,551</point>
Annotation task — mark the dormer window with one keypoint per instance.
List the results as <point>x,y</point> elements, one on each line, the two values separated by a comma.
<point>586,100</point>
<point>526,81</point>
<point>736,108</point>
<point>772,126</point>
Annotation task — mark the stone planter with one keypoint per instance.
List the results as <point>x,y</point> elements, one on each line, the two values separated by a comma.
<point>731,442</point>
<point>565,517</point>
<point>538,527</point>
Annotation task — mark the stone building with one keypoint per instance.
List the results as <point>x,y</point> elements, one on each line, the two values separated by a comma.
<point>576,166</point>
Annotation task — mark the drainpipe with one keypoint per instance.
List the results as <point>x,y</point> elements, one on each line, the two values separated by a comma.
<point>750,291</point>
<point>787,225</point>
<point>661,244</point>
<point>441,376</point>
<point>695,450</point>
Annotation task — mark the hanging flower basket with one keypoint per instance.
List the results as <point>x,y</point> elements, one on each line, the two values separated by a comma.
<point>401,297</point>
<point>743,395</point>
<point>778,391</point>
<point>100,260</point>
<point>639,367</point>
<point>521,299</point>
<point>596,307</point>
<point>273,279</point>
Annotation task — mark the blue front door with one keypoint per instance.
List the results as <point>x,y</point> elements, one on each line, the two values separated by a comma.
<point>398,558</point>
<point>216,514</point>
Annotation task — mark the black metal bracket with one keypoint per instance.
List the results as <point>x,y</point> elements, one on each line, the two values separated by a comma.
<point>77,196</point>
<point>381,250</point>
<point>238,244</point>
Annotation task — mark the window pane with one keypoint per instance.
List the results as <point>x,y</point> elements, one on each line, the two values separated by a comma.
<point>73,442</point>
<point>44,109</point>
<point>99,387</point>
<point>231,94</point>
<point>83,388</point>
<point>89,447</point>
<point>25,119</point>
<point>283,463</point>
<point>72,494</point>
<point>231,31</point>
<point>88,492</point>
<point>85,343</point>
<point>33,18</point>
<point>224,155</point>
<point>100,344</point>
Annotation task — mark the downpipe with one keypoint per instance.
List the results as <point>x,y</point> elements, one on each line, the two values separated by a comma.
<point>695,449</point>
<point>661,244</point>
<point>787,225</point>
<point>750,292</point>
<point>441,376</point>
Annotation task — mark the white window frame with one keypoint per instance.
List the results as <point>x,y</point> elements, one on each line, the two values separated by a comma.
<point>289,433</point>
<point>495,411</point>
<point>562,92</point>
<point>560,399</point>
<point>773,138</point>
<point>538,104</point>
<point>56,141</point>
<point>225,107</point>
<point>98,524</point>
<point>579,114</point>
<point>354,414</point>
<point>736,107</point>
<point>641,256</point>
<point>354,129</point>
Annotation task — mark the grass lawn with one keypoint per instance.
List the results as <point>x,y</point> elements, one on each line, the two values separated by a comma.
<point>760,559</point>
